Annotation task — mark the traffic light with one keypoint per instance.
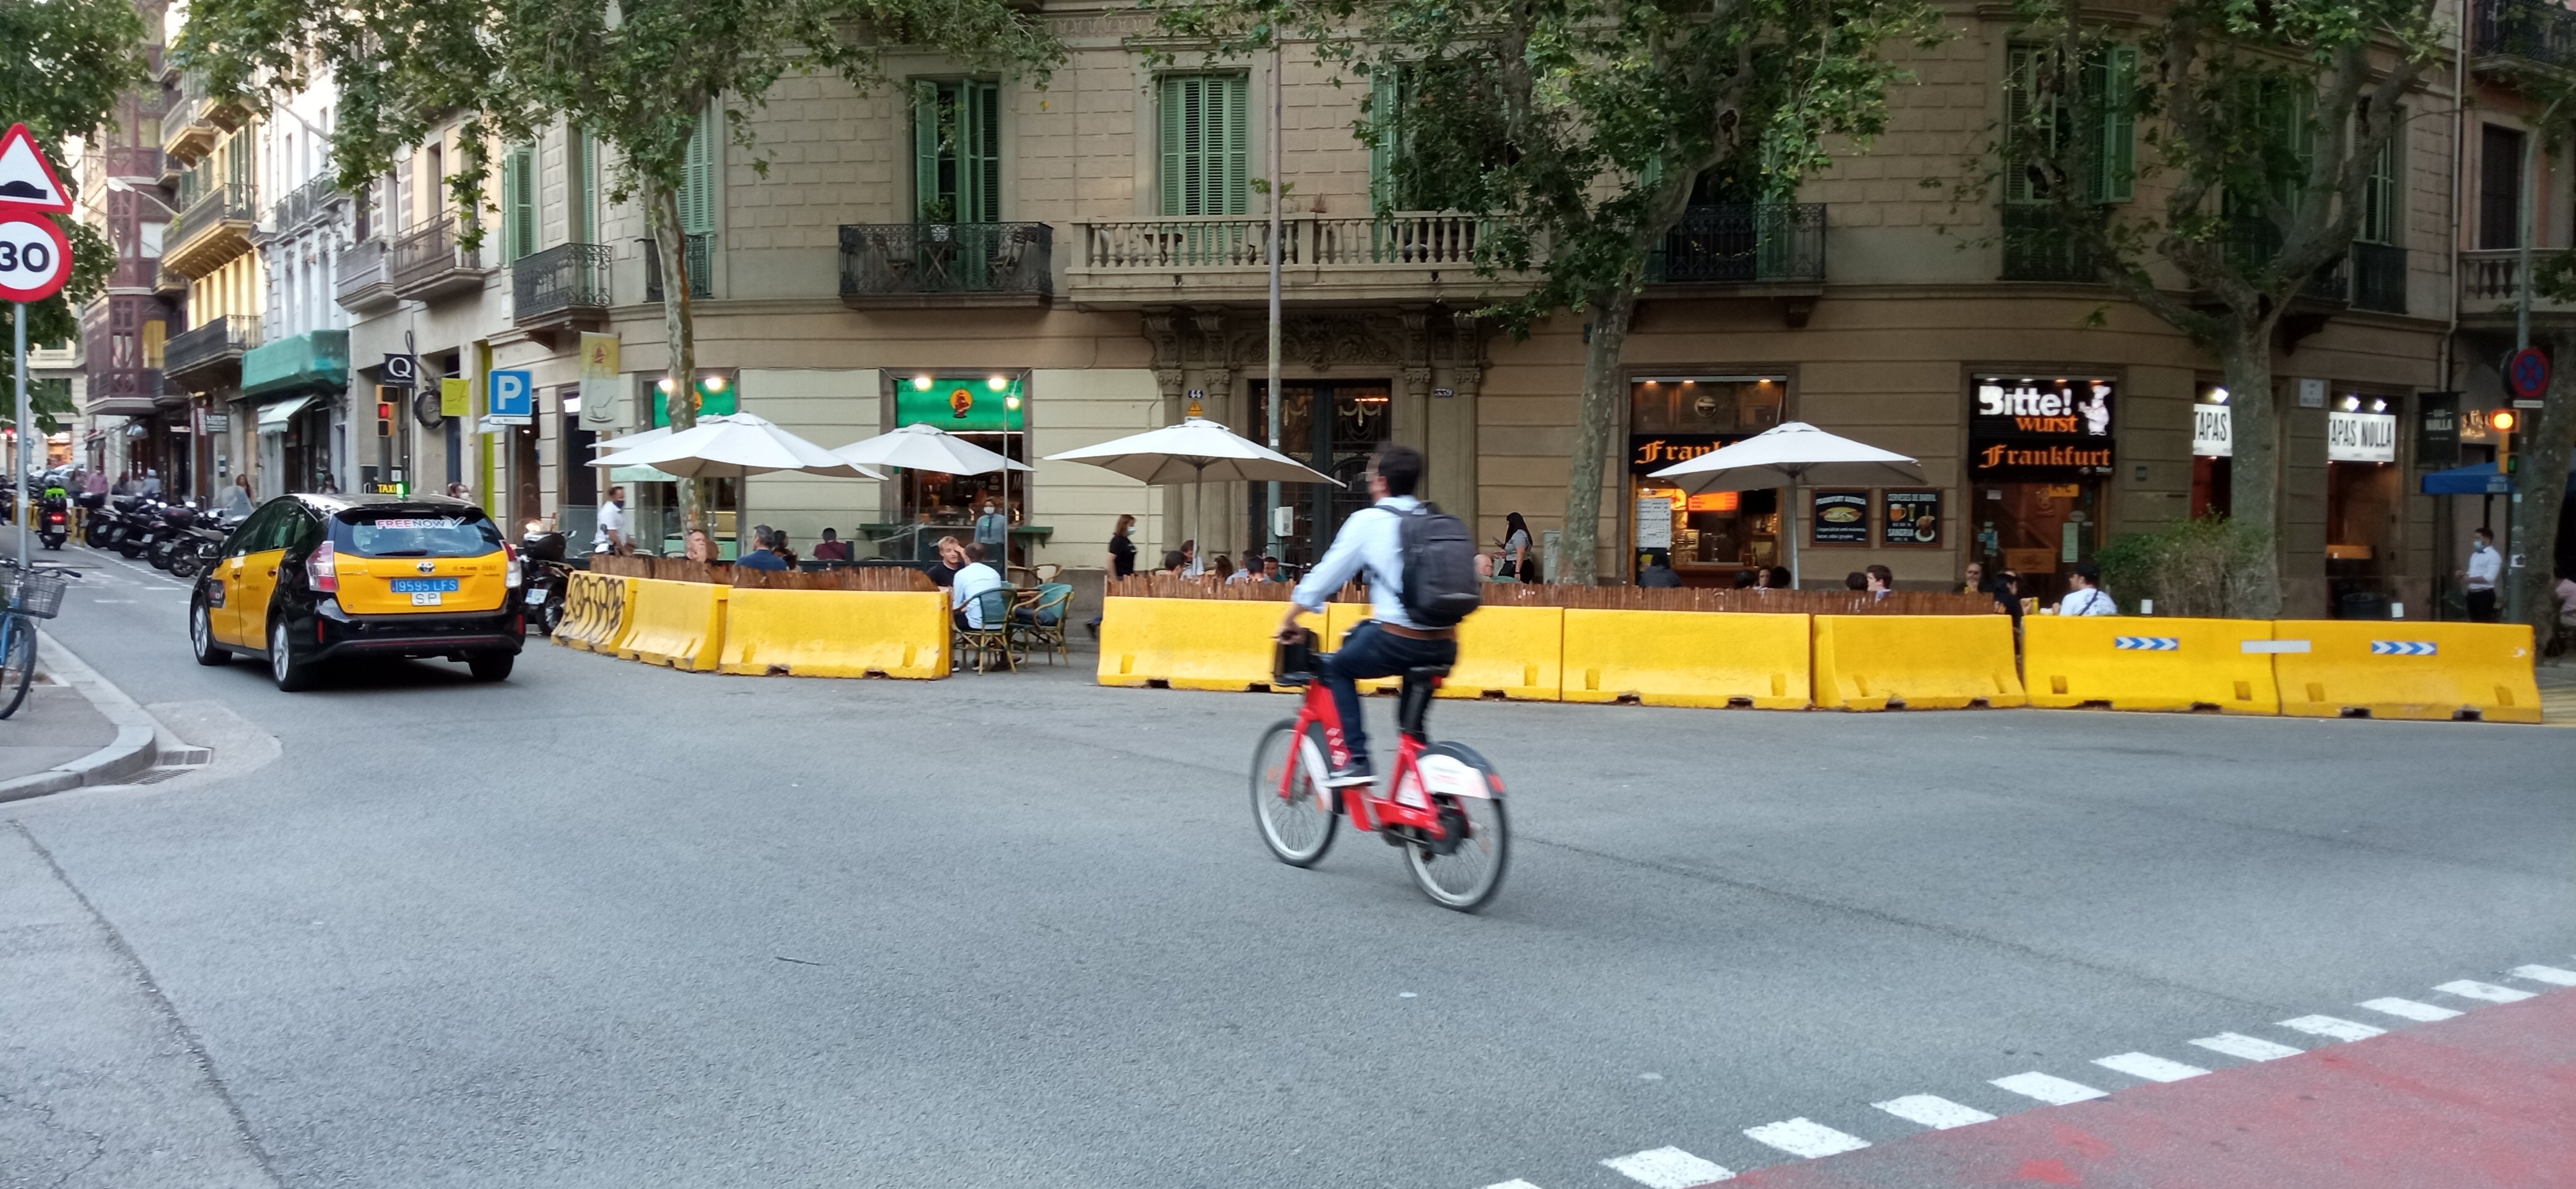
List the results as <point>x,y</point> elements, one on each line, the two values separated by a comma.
<point>387,401</point>
<point>2504,422</point>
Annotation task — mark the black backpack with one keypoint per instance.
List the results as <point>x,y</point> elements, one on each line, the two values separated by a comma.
<point>1440,583</point>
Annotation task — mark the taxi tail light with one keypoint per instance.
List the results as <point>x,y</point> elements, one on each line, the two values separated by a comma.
<point>510,572</point>
<point>322,570</point>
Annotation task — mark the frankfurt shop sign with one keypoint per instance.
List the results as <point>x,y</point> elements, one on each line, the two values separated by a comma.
<point>2022,427</point>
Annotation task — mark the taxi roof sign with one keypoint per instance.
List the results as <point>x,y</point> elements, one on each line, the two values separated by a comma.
<point>27,179</point>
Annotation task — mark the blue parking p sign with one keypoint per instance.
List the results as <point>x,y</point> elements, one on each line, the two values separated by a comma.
<point>513,398</point>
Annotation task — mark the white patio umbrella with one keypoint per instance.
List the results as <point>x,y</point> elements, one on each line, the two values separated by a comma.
<point>930,448</point>
<point>1785,456</point>
<point>737,444</point>
<point>1197,449</point>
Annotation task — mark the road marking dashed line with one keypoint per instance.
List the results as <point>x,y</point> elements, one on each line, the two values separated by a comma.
<point>2055,1091</point>
<point>2472,989</point>
<point>1805,1138</point>
<point>2237,1044</point>
<point>1667,1168</point>
<point>2149,1066</point>
<point>2408,1009</point>
<point>1933,1111</point>
<point>2332,1028</point>
<point>2546,974</point>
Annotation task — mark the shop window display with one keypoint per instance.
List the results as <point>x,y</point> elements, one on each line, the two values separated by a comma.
<point>1709,537</point>
<point>2040,449</point>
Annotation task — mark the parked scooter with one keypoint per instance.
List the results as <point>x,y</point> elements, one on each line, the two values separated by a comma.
<point>202,542</point>
<point>94,518</point>
<point>54,518</point>
<point>175,519</point>
<point>130,529</point>
<point>545,576</point>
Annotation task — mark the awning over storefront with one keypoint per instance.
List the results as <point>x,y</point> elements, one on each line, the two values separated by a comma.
<point>273,418</point>
<point>314,361</point>
<point>2481,479</point>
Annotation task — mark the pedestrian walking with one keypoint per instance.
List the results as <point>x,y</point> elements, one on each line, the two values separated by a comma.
<point>610,535</point>
<point>237,500</point>
<point>2486,568</point>
<point>2086,596</point>
<point>1514,560</point>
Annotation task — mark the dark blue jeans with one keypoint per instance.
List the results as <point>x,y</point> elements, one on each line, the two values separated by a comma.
<point>1372,651</point>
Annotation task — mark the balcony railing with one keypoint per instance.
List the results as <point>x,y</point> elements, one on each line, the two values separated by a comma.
<point>2251,243</point>
<point>2491,285</point>
<point>887,263</point>
<point>1319,241</point>
<point>1742,244</point>
<point>2379,278</point>
<point>559,281</point>
<point>221,204</point>
<point>427,261</point>
<point>2536,30</point>
<point>702,267</point>
<point>2036,248</point>
<point>214,227</point>
<point>362,275</point>
<point>307,201</point>
<point>191,354</point>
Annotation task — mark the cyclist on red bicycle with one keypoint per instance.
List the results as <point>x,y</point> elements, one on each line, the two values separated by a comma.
<point>1389,642</point>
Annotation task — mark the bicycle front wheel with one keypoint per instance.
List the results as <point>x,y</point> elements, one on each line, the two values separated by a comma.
<point>17,662</point>
<point>1289,800</point>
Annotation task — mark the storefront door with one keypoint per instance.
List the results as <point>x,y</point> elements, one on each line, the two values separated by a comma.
<point>1353,421</point>
<point>2038,530</point>
<point>2040,449</point>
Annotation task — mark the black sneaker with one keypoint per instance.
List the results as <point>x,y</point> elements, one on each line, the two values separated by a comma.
<point>1358,771</point>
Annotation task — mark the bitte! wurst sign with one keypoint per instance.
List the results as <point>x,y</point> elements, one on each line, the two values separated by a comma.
<point>2021,427</point>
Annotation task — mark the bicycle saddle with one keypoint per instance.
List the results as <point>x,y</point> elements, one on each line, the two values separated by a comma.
<point>1426,672</point>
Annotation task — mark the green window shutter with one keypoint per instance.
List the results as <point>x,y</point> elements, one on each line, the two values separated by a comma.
<point>1382,104</point>
<point>698,194</point>
<point>979,172</point>
<point>518,203</point>
<point>1234,157</point>
<point>925,148</point>
<point>581,223</point>
<point>1205,133</point>
<point>2119,155</point>
<point>1180,95</point>
<point>2021,60</point>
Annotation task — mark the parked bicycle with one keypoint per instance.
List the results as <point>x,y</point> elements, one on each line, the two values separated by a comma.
<point>1444,803</point>
<point>33,594</point>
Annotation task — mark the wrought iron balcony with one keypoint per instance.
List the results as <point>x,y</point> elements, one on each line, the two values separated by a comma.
<point>2379,278</point>
<point>2533,30</point>
<point>428,262</point>
<point>214,227</point>
<point>363,284</point>
<point>203,358</point>
<point>559,284</point>
<point>1417,255</point>
<point>945,264</point>
<point>2252,241</point>
<point>195,120</point>
<point>2037,249</point>
<point>308,201</point>
<point>1743,244</point>
<point>701,261</point>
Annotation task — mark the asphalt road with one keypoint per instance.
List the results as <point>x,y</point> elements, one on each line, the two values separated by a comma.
<point>608,925</point>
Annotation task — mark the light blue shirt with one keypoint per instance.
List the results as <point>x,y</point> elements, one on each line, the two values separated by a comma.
<point>970,582</point>
<point>1371,540</point>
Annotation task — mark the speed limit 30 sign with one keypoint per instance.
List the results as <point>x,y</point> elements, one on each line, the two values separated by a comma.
<point>35,258</point>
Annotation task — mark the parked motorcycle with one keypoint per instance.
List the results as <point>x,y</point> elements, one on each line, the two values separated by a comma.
<point>93,518</point>
<point>545,576</point>
<point>201,543</point>
<point>131,524</point>
<point>175,519</point>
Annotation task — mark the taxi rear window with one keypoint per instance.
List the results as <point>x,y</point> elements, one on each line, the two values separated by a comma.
<point>414,534</point>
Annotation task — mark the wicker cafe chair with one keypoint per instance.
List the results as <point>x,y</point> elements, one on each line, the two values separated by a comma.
<point>1038,623</point>
<point>994,607</point>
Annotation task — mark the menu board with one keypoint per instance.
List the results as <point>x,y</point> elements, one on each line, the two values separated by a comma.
<point>1840,517</point>
<point>1913,517</point>
<point>1654,523</point>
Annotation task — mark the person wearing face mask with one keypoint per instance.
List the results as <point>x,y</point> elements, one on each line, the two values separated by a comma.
<point>993,532</point>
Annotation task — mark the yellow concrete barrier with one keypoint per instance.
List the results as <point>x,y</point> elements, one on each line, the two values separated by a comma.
<point>594,611</point>
<point>836,633</point>
<point>1188,643</point>
<point>680,624</point>
<point>2399,668</point>
<point>1686,658</point>
<point>1919,662</point>
<point>1509,652</point>
<point>2149,663</point>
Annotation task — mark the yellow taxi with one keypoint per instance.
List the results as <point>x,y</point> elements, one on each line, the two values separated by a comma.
<point>313,578</point>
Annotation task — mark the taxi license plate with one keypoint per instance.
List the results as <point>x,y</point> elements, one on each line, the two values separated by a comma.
<point>425,586</point>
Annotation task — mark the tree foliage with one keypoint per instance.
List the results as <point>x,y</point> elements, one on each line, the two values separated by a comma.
<point>1583,128</point>
<point>635,74</point>
<point>2261,122</point>
<point>64,67</point>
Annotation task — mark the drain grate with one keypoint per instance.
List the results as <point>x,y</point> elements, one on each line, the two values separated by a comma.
<point>156,775</point>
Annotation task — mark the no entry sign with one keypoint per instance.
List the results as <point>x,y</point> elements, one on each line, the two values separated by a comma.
<point>35,258</point>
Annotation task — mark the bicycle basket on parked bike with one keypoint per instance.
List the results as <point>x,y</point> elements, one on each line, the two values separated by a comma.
<point>39,594</point>
<point>1294,664</point>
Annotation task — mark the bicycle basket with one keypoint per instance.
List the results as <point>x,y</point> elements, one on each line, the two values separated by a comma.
<point>1294,664</point>
<point>39,594</point>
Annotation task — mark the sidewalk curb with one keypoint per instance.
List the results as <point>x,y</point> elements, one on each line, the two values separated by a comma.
<point>138,734</point>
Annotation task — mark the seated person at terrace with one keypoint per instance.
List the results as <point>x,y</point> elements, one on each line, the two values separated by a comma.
<point>972,580</point>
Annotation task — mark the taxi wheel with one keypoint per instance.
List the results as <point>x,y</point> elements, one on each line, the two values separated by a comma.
<point>491,666</point>
<point>201,636</point>
<point>290,673</point>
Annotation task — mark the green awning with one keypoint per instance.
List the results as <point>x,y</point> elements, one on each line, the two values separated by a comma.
<point>314,361</point>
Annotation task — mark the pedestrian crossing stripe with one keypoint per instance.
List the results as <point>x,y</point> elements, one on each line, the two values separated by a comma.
<point>2147,643</point>
<point>2404,648</point>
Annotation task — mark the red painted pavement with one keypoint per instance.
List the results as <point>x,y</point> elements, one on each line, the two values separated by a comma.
<point>2486,1101</point>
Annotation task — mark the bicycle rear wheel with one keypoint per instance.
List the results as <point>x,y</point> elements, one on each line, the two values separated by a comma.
<point>17,662</point>
<point>1466,876</point>
<point>1298,827</point>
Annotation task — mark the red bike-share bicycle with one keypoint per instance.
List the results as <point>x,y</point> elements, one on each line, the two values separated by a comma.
<point>1444,803</point>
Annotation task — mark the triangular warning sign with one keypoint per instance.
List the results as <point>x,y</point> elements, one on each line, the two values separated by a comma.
<point>26,177</point>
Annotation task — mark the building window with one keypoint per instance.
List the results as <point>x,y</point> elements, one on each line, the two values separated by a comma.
<point>698,190</point>
<point>2499,187</point>
<point>1205,128</point>
<point>1711,536</point>
<point>2109,82</point>
<point>2383,211</point>
<point>581,222</point>
<point>518,203</point>
<point>957,152</point>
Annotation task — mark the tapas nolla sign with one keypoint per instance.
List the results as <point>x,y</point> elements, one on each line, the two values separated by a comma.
<point>2361,437</point>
